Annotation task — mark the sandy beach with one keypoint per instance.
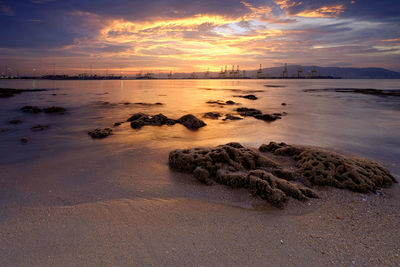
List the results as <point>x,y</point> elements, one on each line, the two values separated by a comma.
<point>68,199</point>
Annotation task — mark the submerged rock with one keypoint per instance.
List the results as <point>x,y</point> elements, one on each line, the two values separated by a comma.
<point>251,112</point>
<point>212,115</point>
<point>248,112</point>
<point>191,122</point>
<point>251,97</point>
<point>39,128</point>
<point>24,139</point>
<point>264,176</point>
<point>139,120</point>
<point>100,133</point>
<point>268,117</point>
<point>55,109</point>
<point>366,91</point>
<point>31,109</point>
<point>4,130</point>
<point>217,102</point>
<point>8,92</point>
<point>232,117</point>
<point>16,121</point>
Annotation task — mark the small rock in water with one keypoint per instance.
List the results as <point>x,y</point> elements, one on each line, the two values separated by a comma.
<point>31,109</point>
<point>283,104</point>
<point>15,121</point>
<point>191,122</point>
<point>117,124</point>
<point>24,139</point>
<point>3,130</point>
<point>100,133</point>
<point>250,97</point>
<point>139,120</point>
<point>212,115</point>
<point>230,102</point>
<point>232,117</point>
<point>39,128</point>
<point>55,109</point>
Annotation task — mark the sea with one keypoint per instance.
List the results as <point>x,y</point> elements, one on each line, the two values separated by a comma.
<point>64,164</point>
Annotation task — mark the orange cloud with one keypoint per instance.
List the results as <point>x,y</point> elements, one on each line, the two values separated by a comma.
<point>322,12</point>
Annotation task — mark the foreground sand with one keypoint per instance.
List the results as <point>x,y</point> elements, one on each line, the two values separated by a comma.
<point>342,228</point>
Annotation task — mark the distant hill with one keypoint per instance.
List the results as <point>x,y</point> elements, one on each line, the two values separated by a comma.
<point>345,73</point>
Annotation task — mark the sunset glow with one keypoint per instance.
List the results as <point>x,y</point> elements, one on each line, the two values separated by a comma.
<point>188,37</point>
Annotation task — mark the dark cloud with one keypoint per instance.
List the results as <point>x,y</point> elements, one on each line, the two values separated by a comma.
<point>362,9</point>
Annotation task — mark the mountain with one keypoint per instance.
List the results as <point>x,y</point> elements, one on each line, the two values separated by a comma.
<point>345,73</point>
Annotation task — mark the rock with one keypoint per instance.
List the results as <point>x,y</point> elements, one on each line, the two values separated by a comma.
<point>4,130</point>
<point>217,102</point>
<point>139,120</point>
<point>15,121</point>
<point>39,128</point>
<point>31,109</point>
<point>8,92</point>
<point>237,167</point>
<point>251,97</point>
<point>263,175</point>
<point>251,112</point>
<point>212,115</point>
<point>325,168</point>
<point>100,133</point>
<point>24,139</point>
<point>283,104</point>
<point>366,91</point>
<point>55,109</point>
<point>267,117</point>
<point>231,117</point>
<point>191,122</point>
<point>148,104</point>
<point>248,112</point>
<point>117,124</point>
<point>230,102</point>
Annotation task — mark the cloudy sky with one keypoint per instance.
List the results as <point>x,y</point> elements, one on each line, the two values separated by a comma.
<point>182,35</point>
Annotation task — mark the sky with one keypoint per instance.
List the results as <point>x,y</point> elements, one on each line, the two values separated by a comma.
<point>127,36</point>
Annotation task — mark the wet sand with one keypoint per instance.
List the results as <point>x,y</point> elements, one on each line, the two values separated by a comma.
<point>117,216</point>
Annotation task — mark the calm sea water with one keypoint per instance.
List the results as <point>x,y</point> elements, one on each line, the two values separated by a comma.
<point>363,125</point>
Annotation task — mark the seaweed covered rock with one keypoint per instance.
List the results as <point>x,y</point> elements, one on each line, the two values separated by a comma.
<point>191,122</point>
<point>325,168</point>
<point>236,166</point>
<point>266,174</point>
<point>139,120</point>
<point>100,133</point>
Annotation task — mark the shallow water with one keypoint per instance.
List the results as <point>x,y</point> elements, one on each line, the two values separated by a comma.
<point>64,165</point>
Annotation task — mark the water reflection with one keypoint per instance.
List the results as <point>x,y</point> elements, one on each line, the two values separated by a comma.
<point>360,124</point>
